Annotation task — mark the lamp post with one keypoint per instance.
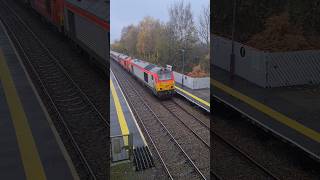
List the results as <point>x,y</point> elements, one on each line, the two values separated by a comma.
<point>232,56</point>
<point>182,50</point>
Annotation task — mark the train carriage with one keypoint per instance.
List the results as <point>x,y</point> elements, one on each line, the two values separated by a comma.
<point>51,10</point>
<point>114,55</point>
<point>87,23</point>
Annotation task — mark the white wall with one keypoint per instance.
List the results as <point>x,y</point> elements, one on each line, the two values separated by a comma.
<point>251,66</point>
<point>192,83</point>
<point>268,69</point>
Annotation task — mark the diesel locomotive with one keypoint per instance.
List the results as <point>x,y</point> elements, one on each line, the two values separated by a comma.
<point>159,79</point>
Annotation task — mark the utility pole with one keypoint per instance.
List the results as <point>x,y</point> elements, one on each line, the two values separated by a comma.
<point>232,56</point>
<point>182,65</point>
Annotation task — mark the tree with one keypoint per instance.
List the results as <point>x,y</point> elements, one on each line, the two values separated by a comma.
<point>183,29</point>
<point>129,39</point>
<point>250,16</point>
<point>160,42</point>
<point>149,30</point>
<point>117,46</point>
<point>182,24</point>
<point>204,26</point>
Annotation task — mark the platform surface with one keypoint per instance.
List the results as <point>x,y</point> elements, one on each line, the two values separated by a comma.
<point>200,97</point>
<point>123,123</point>
<point>122,120</point>
<point>30,145</point>
<point>290,112</point>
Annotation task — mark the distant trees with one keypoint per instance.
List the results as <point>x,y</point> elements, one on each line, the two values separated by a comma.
<point>160,43</point>
<point>129,39</point>
<point>250,16</point>
<point>148,36</point>
<point>306,14</point>
<point>181,24</point>
<point>253,17</point>
<point>204,26</point>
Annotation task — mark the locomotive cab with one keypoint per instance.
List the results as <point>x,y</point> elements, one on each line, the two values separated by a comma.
<point>165,82</point>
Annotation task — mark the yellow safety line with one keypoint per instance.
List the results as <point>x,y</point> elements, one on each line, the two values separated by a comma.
<point>134,119</point>
<point>121,118</point>
<point>29,154</point>
<point>270,112</point>
<point>195,97</point>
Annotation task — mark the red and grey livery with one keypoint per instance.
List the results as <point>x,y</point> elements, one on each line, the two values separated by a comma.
<point>86,22</point>
<point>160,80</point>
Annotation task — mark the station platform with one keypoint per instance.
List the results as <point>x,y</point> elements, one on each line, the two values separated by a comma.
<point>289,112</point>
<point>30,145</point>
<point>199,97</point>
<point>127,141</point>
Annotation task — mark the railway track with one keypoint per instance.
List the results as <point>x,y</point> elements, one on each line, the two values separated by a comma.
<point>191,122</point>
<point>200,127</point>
<point>172,154</point>
<point>246,163</point>
<point>75,116</point>
<point>201,130</point>
<point>175,107</point>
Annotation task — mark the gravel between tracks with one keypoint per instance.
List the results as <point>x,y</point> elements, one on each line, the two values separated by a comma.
<point>88,130</point>
<point>178,129</point>
<point>278,157</point>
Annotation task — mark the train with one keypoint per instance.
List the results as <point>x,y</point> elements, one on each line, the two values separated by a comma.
<point>85,22</point>
<point>159,79</point>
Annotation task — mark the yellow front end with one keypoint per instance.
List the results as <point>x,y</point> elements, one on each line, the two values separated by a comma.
<point>165,86</point>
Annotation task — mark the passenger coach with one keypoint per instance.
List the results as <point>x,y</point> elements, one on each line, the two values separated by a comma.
<point>86,22</point>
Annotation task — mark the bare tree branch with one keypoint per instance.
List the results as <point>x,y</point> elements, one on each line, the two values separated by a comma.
<point>204,26</point>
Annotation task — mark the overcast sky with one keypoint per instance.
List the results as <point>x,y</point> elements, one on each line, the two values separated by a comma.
<point>126,12</point>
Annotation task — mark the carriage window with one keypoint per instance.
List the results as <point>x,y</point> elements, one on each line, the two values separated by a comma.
<point>145,77</point>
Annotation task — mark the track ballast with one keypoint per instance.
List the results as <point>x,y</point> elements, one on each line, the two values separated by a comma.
<point>79,123</point>
<point>180,152</point>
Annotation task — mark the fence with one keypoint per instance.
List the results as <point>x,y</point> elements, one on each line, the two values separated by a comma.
<point>268,69</point>
<point>192,83</point>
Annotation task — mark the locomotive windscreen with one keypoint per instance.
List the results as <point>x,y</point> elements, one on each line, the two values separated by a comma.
<point>164,75</point>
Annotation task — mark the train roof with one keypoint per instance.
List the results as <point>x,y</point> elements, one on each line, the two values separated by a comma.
<point>99,8</point>
<point>122,56</point>
<point>148,66</point>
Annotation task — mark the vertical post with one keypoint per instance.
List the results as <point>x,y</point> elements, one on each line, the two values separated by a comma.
<point>232,56</point>
<point>182,66</point>
<point>130,140</point>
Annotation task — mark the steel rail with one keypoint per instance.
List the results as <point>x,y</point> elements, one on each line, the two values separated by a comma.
<point>43,85</point>
<point>257,164</point>
<point>165,105</point>
<point>165,128</point>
